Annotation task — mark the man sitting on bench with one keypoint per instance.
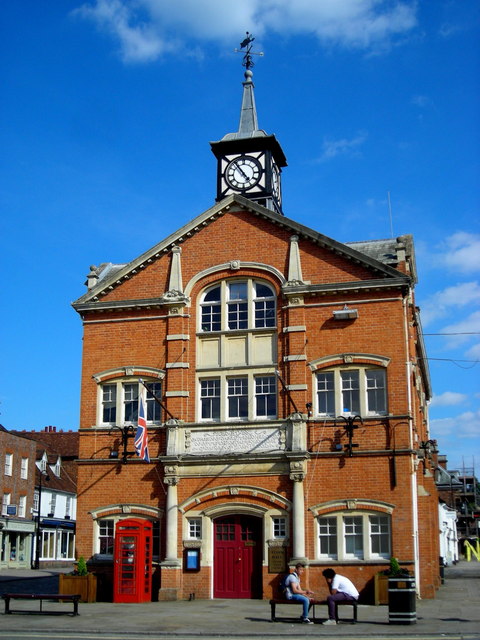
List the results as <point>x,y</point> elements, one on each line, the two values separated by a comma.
<point>293,591</point>
<point>341,590</point>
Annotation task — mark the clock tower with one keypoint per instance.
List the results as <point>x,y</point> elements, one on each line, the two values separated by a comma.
<point>250,161</point>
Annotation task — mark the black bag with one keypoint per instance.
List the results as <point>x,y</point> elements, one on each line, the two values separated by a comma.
<point>282,587</point>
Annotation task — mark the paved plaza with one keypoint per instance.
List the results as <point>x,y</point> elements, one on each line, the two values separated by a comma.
<point>454,613</point>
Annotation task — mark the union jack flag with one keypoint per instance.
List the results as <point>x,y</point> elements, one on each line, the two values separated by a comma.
<point>141,436</point>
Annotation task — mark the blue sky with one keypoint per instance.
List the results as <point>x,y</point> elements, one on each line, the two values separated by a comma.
<point>107,112</point>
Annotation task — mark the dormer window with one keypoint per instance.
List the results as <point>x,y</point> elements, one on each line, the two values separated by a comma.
<point>57,467</point>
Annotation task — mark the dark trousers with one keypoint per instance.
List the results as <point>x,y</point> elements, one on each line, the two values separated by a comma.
<point>337,597</point>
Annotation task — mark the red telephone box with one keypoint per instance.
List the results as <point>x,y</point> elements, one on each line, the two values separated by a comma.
<point>132,568</point>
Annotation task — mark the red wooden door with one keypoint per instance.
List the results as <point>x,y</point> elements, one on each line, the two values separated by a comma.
<point>238,557</point>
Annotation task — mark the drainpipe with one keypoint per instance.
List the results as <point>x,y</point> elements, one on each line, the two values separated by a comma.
<point>413,474</point>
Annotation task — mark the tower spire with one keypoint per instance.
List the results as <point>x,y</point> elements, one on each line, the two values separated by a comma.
<point>248,113</point>
<point>248,126</point>
<point>249,160</point>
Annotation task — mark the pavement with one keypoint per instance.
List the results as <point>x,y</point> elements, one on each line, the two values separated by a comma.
<point>454,613</point>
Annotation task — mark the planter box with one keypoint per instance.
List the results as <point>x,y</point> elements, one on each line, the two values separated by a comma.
<point>381,588</point>
<point>86,586</point>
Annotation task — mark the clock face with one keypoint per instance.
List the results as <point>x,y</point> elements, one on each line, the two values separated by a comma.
<point>276,181</point>
<point>243,173</point>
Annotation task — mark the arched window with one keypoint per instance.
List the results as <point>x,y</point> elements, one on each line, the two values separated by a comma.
<point>238,305</point>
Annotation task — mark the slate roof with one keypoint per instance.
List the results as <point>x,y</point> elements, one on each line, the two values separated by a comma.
<point>56,443</point>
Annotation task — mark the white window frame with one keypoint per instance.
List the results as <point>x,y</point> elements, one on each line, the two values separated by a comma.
<point>229,312</point>
<point>6,502</point>
<point>279,527</point>
<point>105,523</point>
<point>194,528</point>
<point>52,503</point>
<point>24,469</point>
<point>346,522</point>
<point>120,389</point>
<point>229,388</point>
<point>68,506</point>
<point>22,506</point>
<point>336,393</point>
<point>8,464</point>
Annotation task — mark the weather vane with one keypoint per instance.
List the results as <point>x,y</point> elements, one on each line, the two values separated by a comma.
<point>246,44</point>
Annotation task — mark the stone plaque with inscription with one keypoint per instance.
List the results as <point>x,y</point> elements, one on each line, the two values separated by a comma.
<point>234,440</point>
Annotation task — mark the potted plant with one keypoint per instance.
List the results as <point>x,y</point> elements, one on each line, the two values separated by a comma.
<point>381,580</point>
<point>401,595</point>
<point>80,581</point>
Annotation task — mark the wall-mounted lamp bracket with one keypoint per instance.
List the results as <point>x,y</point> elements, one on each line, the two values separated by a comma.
<point>428,447</point>
<point>127,431</point>
<point>345,314</point>
<point>350,427</point>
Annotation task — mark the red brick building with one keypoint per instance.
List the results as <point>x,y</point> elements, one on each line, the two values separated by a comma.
<point>292,375</point>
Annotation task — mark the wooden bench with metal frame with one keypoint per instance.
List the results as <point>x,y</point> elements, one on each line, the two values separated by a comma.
<point>58,597</point>
<point>275,601</point>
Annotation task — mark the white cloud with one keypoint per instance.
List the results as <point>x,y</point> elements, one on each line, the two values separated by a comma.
<point>147,29</point>
<point>441,303</point>
<point>448,399</point>
<point>465,425</point>
<point>342,147</point>
<point>421,101</point>
<point>474,352</point>
<point>463,252</point>
<point>467,326</point>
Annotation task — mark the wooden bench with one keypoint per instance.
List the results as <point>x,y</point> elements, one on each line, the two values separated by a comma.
<point>58,597</point>
<point>275,601</point>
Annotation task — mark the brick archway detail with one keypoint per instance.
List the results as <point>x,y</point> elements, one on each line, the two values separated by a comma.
<point>237,492</point>
<point>354,504</point>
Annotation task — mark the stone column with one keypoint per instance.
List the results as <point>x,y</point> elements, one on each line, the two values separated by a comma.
<point>171,566</point>
<point>297,475</point>
<point>171,531</point>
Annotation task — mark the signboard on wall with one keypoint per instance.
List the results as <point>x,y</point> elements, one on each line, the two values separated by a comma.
<point>277,560</point>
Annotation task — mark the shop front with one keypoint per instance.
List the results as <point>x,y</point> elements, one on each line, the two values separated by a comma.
<point>16,543</point>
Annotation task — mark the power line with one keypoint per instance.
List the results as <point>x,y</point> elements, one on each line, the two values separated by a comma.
<point>459,333</point>
<point>455,361</point>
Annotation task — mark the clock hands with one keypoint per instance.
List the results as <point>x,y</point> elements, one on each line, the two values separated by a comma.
<point>242,172</point>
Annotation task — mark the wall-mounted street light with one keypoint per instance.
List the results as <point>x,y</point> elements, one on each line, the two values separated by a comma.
<point>428,447</point>
<point>38,533</point>
<point>350,427</point>
<point>345,314</point>
<point>128,431</point>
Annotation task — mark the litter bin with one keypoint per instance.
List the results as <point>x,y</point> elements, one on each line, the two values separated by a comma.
<point>402,608</point>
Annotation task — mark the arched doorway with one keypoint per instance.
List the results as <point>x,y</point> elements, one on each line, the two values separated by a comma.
<point>237,557</point>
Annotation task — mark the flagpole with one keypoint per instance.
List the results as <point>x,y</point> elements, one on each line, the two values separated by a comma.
<point>157,399</point>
